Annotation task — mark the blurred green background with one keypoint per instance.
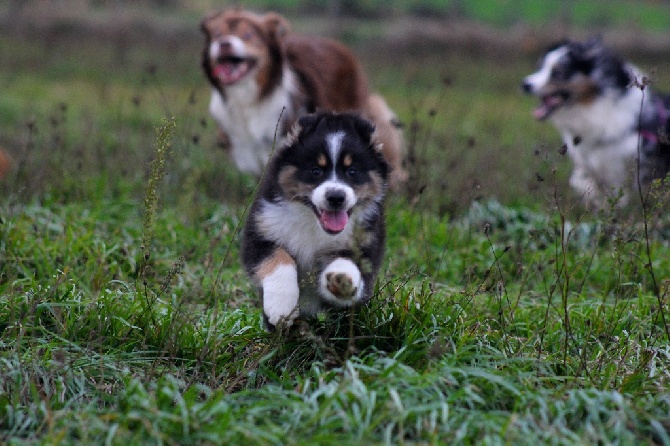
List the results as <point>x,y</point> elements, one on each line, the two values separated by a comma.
<point>85,82</point>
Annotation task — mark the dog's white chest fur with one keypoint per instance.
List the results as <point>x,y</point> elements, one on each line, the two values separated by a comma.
<point>294,226</point>
<point>602,142</point>
<point>251,124</point>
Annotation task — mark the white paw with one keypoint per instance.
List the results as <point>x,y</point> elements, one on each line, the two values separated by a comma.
<point>280,295</point>
<point>341,283</point>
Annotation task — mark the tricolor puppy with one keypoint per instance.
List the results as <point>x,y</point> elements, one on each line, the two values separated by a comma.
<point>315,235</point>
<point>260,71</point>
<point>594,99</point>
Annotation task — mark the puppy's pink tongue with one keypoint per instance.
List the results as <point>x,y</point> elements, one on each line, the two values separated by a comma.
<point>334,221</point>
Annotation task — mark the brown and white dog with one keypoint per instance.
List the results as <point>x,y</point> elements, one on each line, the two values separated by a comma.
<point>264,77</point>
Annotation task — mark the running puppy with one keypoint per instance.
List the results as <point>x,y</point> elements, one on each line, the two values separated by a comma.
<point>595,99</point>
<point>315,235</point>
<point>260,71</point>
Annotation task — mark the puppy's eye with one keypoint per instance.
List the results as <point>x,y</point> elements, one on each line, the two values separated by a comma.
<point>248,35</point>
<point>317,172</point>
<point>352,172</point>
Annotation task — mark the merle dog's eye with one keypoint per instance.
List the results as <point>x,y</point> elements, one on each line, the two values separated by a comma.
<point>352,172</point>
<point>317,172</point>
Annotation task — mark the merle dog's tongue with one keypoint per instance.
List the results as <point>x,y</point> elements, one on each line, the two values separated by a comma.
<point>547,105</point>
<point>541,112</point>
<point>334,221</point>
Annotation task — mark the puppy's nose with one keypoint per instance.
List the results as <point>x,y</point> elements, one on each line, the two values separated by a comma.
<point>335,198</point>
<point>527,87</point>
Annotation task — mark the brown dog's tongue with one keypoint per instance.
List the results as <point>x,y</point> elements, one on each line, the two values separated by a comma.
<point>229,72</point>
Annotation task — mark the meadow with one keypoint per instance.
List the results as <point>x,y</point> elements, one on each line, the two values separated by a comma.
<point>504,313</point>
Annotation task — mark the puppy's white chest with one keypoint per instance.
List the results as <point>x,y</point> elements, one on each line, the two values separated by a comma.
<point>295,227</point>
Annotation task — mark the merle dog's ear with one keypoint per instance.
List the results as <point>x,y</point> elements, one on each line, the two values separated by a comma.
<point>594,42</point>
<point>593,47</point>
<point>276,25</point>
<point>583,55</point>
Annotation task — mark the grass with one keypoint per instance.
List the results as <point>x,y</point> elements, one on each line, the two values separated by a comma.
<point>503,313</point>
<point>467,348</point>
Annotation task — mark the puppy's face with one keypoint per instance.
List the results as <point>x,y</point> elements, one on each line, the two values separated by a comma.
<point>241,45</point>
<point>332,165</point>
<point>573,73</point>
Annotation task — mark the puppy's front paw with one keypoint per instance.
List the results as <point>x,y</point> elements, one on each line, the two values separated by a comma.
<point>341,282</point>
<point>341,285</point>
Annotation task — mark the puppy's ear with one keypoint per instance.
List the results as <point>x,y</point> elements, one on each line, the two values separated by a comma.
<point>309,121</point>
<point>364,128</point>
<point>305,123</point>
<point>293,135</point>
<point>276,25</point>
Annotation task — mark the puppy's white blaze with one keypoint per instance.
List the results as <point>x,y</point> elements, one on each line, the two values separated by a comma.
<point>280,294</point>
<point>540,78</point>
<point>319,194</point>
<point>237,45</point>
<point>334,141</point>
<point>341,266</point>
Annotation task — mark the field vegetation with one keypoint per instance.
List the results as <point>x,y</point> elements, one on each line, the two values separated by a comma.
<point>504,313</point>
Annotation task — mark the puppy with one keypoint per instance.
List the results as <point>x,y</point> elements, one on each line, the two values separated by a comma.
<point>263,77</point>
<point>315,235</point>
<point>595,99</point>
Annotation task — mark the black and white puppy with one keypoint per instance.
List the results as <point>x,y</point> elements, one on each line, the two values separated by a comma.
<point>315,235</point>
<point>595,99</point>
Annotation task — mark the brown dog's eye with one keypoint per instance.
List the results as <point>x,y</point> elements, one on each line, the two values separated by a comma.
<point>247,36</point>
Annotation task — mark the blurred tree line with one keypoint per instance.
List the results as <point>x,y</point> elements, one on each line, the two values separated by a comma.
<point>651,14</point>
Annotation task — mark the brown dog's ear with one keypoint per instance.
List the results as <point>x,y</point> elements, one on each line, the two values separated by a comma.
<point>205,21</point>
<point>276,25</point>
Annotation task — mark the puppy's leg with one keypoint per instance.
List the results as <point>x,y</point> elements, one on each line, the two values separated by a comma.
<point>341,283</point>
<point>278,276</point>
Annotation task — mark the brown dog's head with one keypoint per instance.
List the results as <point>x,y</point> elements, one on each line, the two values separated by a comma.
<point>243,47</point>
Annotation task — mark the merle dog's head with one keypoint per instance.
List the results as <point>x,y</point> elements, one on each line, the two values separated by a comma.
<point>575,73</point>
<point>333,164</point>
